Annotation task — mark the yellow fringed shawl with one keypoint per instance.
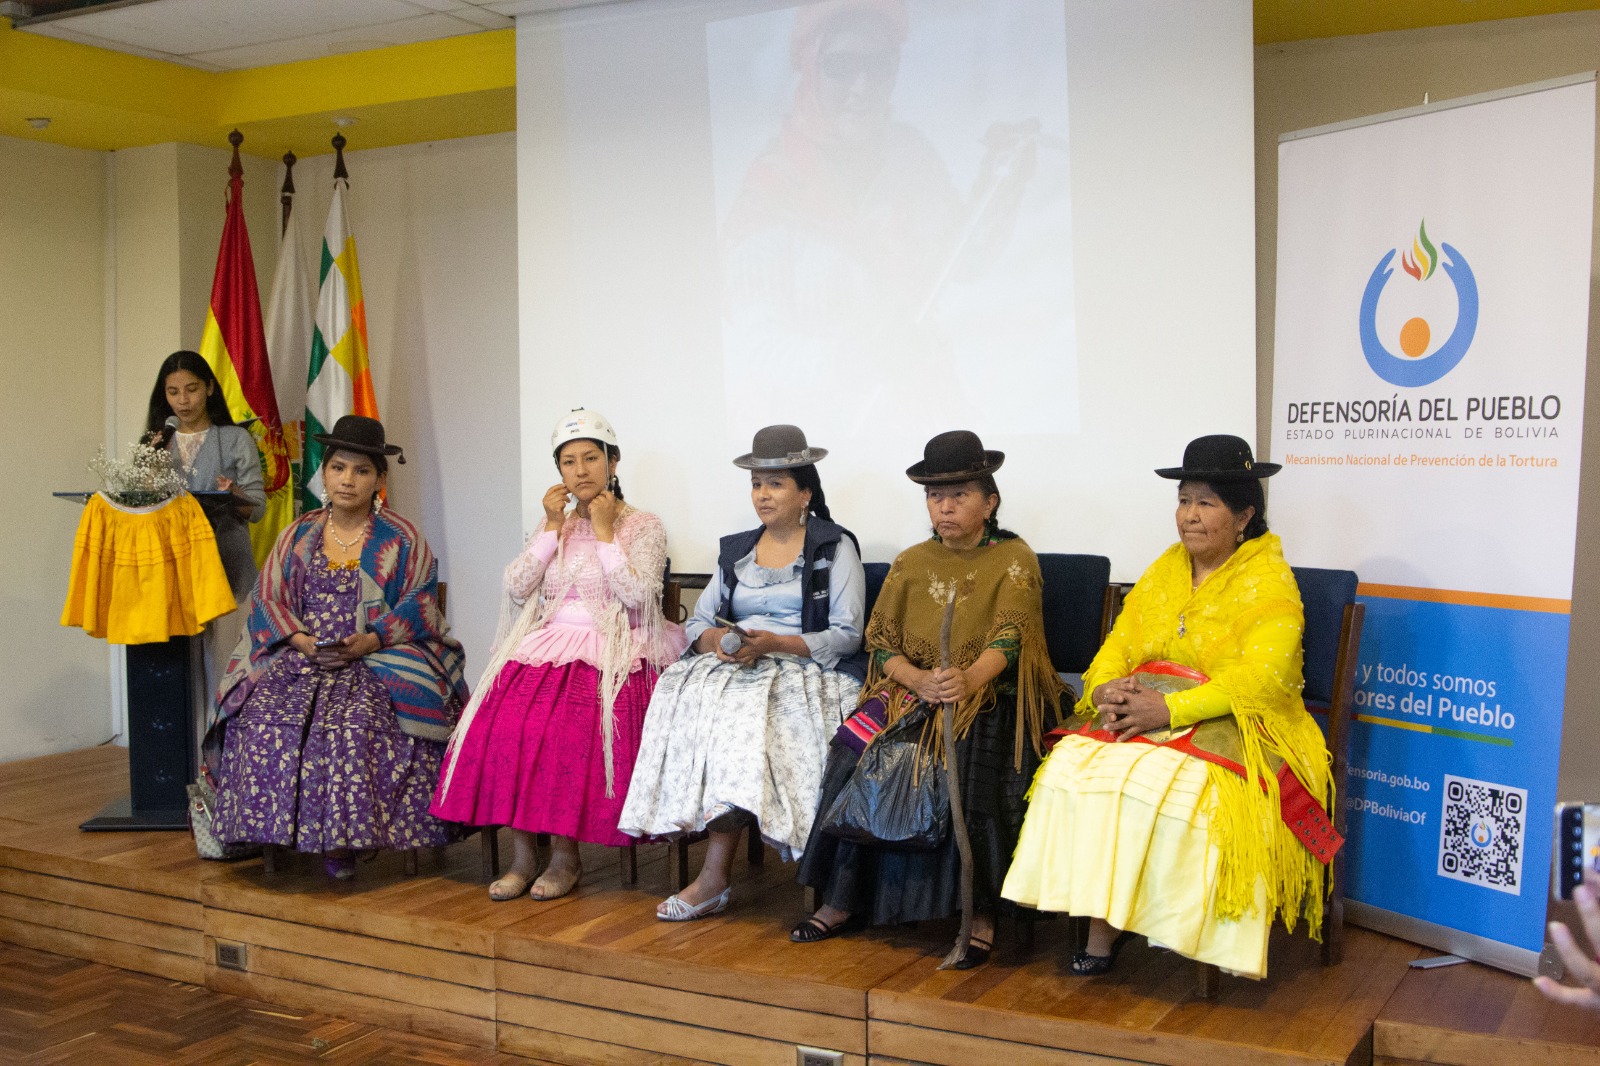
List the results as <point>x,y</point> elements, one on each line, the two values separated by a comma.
<point>1242,628</point>
<point>997,588</point>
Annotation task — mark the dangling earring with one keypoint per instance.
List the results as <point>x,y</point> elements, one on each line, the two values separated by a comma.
<point>1240,538</point>
<point>377,502</point>
<point>325,497</point>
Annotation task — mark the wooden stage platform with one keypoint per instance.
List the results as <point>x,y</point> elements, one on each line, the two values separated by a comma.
<point>594,978</point>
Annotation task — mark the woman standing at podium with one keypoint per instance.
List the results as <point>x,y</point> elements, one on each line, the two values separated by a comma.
<point>333,727</point>
<point>189,417</point>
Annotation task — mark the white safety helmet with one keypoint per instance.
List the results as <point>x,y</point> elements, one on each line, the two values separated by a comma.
<point>582,424</point>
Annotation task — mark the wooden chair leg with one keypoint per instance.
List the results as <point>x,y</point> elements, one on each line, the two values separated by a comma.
<point>269,859</point>
<point>1333,917</point>
<point>1026,930</point>
<point>410,862</point>
<point>755,849</point>
<point>681,849</point>
<point>630,865</point>
<point>489,851</point>
<point>1208,980</point>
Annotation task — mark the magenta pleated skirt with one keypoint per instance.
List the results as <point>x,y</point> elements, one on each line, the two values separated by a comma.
<point>533,757</point>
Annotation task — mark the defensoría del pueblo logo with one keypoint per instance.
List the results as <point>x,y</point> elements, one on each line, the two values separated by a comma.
<point>1419,361</point>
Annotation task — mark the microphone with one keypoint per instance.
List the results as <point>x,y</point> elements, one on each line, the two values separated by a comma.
<point>163,436</point>
<point>731,642</point>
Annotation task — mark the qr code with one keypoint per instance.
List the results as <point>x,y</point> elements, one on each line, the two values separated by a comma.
<point>1480,834</point>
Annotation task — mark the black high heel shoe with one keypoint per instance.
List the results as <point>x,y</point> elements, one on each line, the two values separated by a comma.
<point>814,930</point>
<point>1087,965</point>
<point>978,952</point>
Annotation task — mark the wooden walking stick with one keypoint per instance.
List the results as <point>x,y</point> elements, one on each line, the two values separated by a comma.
<point>958,814</point>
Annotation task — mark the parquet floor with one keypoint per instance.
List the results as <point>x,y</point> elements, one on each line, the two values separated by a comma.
<point>56,1010</point>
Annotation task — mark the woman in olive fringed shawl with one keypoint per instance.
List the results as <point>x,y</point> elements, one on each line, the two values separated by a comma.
<point>1191,815</point>
<point>1000,681</point>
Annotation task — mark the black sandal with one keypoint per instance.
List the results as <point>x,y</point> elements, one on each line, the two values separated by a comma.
<point>814,930</point>
<point>1087,965</point>
<point>978,952</point>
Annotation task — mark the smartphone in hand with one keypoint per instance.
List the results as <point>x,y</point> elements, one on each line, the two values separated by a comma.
<point>1576,846</point>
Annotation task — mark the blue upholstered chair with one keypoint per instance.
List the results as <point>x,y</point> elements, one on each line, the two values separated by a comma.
<point>1079,606</point>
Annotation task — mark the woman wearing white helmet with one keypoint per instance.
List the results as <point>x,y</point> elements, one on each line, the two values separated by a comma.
<point>547,744</point>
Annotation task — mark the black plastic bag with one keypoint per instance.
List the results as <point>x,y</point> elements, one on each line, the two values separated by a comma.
<point>896,797</point>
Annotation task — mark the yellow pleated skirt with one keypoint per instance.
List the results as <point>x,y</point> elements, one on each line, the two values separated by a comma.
<point>143,574</point>
<point>1120,832</point>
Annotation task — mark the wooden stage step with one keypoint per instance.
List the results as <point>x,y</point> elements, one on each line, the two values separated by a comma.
<point>595,979</point>
<point>1471,1015</point>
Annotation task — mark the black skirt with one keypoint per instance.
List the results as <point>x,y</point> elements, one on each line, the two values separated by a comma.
<point>890,885</point>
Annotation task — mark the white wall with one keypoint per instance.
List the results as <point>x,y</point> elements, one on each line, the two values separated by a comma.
<point>435,229</point>
<point>56,695</point>
<point>165,229</point>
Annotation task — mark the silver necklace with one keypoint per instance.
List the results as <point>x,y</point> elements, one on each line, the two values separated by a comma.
<point>348,546</point>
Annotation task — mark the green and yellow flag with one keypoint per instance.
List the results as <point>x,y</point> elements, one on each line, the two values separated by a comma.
<point>340,380</point>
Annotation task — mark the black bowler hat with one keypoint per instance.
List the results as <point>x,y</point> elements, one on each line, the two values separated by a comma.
<point>1219,457</point>
<point>954,457</point>
<point>358,433</point>
<point>779,448</point>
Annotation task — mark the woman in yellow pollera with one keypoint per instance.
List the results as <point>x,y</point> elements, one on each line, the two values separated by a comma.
<point>1194,808</point>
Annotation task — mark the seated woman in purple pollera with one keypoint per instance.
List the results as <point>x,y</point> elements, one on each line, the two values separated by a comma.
<point>338,701</point>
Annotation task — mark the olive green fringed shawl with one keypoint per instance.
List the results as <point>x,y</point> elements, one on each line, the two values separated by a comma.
<point>997,588</point>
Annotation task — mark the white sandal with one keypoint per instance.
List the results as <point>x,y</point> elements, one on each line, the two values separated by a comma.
<point>675,909</point>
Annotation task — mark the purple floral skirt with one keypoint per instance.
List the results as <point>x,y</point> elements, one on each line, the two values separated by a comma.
<point>315,760</point>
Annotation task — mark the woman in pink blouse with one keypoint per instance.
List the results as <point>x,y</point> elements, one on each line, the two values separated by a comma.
<point>547,744</point>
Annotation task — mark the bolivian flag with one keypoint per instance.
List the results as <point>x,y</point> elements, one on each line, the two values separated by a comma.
<point>339,377</point>
<point>236,347</point>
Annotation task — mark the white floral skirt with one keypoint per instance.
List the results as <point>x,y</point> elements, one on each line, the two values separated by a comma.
<point>720,736</point>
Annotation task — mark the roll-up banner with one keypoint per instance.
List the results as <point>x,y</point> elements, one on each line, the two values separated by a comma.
<point>1431,328</point>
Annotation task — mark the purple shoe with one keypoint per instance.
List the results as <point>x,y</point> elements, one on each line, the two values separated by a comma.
<point>340,868</point>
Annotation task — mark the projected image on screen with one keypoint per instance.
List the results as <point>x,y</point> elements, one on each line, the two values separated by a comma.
<point>892,188</point>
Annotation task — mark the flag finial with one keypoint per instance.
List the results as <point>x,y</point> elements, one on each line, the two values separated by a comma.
<point>338,158</point>
<point>286,194</point>
<point>235,168</point>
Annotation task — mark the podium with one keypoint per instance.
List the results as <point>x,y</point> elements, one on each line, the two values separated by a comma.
<point>160,700</point>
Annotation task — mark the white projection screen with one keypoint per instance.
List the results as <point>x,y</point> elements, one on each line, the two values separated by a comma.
<point>879,220</point>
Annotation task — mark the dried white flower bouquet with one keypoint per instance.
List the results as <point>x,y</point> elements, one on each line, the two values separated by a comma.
<point>147,477</point>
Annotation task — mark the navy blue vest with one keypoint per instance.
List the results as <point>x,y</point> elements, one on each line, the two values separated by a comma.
<point>822,540</point>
